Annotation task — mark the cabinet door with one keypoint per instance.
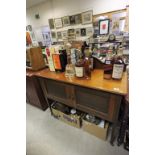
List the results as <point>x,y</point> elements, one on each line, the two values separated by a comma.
<point>102,104</point>
<point>60,92</point>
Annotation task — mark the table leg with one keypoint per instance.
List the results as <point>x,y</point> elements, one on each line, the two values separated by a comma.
<point>113,133</point>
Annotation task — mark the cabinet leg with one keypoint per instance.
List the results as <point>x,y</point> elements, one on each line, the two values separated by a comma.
<point>113,135</point>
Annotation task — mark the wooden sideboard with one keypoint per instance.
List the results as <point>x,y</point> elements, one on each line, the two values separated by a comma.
<point>34,93</point>
<point>96,96</point>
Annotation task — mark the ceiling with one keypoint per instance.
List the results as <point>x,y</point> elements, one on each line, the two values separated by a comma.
<point>30,3</point>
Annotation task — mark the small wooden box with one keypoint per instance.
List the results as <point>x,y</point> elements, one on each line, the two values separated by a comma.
<point>34,59</point>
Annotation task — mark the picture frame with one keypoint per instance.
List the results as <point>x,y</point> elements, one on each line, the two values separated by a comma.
<point>58,23</point>
<point>64,34</point>
<point>29,28</point>
<point>65,21</point>
<point>83,32</point>
<point>53,34</point>
<point>104,26</point>
<point>78,32</point>
<point>59,35</point>
<point>89,31</point>
<point>78,19</point>
<point>51,23</point>
<point>71,34</point>
<point>87,17</point>
<point>72,20</point>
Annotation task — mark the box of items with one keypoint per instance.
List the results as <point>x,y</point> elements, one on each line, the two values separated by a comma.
<point>66,114</point>
<point>95,126</point>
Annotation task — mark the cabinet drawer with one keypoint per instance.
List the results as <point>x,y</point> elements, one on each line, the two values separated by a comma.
<point>59,91</point>
<point>96,102</point>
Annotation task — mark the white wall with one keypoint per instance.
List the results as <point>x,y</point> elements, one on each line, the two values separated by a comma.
<point>60,8</point>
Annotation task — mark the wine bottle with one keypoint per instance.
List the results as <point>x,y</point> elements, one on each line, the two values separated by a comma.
<point>108,64</point>
<point>79,67</point>
<point>118,65</point>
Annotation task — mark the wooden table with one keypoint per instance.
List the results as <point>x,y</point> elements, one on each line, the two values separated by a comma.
<point>96,96</point>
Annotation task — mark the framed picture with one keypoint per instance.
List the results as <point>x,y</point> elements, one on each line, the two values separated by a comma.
<point>89,31</point>
<point>64,34</point>
<point>104,26</point>
<point>59,36</point>
<point>83,32</point>
<point>71,34</point>
<point>51,23</point>
<point>29,28</point>
<point>65,21</point>
<point>53,34</point>
<point>78,32</point>
<point>78,19</point>
<point>87,17</point>
<point>72,20</point>
<point>58,23</point>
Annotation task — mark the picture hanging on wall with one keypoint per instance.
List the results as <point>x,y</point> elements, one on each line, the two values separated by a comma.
<point>78,19</point>
<point>53,34</point>
<point>71,34</point>
<point>104,26</point>
<point>83,32</point>
<point>29,28</point>
<point>64,34</point>
<point>87,17</point>
<point>51,23</point>
<point>59,36</point>
<point>72,20</point>
<point>58,23</point>
<point>78,32</point>
<point>89,31</point>
<point>65,21</point>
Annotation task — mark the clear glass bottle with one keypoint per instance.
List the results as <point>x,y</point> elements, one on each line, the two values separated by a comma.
<point>70,68</point>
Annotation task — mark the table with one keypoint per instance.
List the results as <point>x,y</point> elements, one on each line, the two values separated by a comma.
<point>97,96</point>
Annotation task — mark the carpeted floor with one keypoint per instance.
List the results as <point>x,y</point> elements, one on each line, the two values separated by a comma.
<point>49,136</point>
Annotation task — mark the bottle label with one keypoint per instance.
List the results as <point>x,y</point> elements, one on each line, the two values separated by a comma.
<point>117,71</point>
<point>107,62</point>
<point>56,61</point>
<point>79,71</point>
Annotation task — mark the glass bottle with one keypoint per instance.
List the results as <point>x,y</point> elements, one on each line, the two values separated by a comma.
<point>87,64</point>
<point>108,65</point>
<point>70,69</point>
<point>118,65</point>
<point>79,67</point>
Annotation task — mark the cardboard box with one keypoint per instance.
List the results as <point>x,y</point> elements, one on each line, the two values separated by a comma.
<point>73,120</point>
<point>95,129</point>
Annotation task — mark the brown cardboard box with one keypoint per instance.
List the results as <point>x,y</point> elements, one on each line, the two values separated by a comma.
<point>72,120</point>
<point>95,129</point>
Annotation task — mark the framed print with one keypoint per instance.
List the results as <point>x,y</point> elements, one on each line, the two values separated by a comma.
<point>53,34</point>
<point>89,31</point>
<point>104,26</point>
<point>78,32</point>
<point>58,23</point>
<point>78,19</point>
<point>29,28</point>
<point>59,36</point>
<point>65,21</point>
<point>87,17</point>
<point>51,23</point>
<point>72,20</point>
<point>83,32</point>
<point>64,34</point>
<point>71,34</point>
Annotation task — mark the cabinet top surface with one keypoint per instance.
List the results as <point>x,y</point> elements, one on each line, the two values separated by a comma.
<point>96,82</point>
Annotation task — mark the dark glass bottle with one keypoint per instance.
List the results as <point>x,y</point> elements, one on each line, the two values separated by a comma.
<point>108,65</point>
<point>87,64</point>
<point>118,66</point>
<point>79,67</point>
